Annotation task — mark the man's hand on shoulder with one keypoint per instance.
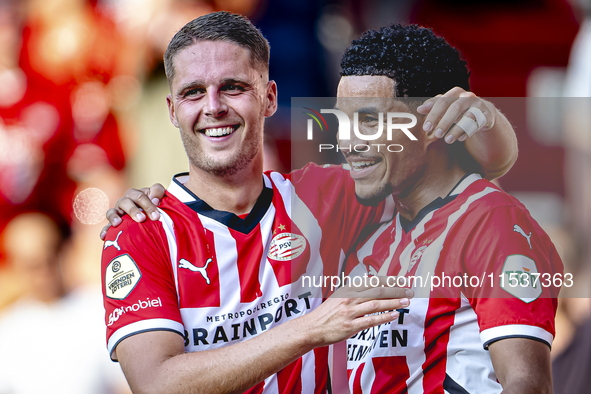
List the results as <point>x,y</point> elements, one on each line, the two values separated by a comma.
<point>136,203</point>
<point>445,111</point>
<point>459,115</point>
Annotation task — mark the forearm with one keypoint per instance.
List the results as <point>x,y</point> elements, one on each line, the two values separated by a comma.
<point>495,149</point>
<point>230,369</point>
<point>155,362</point>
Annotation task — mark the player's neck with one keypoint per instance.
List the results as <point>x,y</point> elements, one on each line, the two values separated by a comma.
<point>235,193</point>
<point>436,181</point>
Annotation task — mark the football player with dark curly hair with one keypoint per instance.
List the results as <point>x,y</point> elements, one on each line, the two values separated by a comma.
<point>421,63</point>
<point>450,223</point>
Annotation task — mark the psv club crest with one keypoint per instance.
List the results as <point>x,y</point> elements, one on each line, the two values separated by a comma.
<point>286,246</point>
<point>416,256</point>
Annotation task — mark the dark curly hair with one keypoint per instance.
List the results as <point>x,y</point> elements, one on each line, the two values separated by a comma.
<point>421,63</point>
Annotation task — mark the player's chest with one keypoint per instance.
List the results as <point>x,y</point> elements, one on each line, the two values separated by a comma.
<point>421,325</point>
<point>215,265</point>
<point>421,250</point>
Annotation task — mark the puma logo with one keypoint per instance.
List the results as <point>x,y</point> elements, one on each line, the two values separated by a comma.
<point>113,243</point>
<point>202,270</point>
<point>519,230</point>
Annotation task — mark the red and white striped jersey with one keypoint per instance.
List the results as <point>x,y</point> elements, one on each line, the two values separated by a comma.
<point>217,279</point>
<point>476,236</point>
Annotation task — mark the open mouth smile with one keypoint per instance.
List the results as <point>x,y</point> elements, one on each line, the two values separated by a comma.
<point>362,167</point>
<point>219,131</point>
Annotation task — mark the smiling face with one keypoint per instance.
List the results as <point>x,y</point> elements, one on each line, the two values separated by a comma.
<point>219,100</point>
<point>378,172</point>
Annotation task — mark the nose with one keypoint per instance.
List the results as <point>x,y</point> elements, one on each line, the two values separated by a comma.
<point>215,105</point>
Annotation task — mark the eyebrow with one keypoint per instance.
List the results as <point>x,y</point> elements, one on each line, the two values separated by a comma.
<point>368,111</point>
<point>189,85</point>
<point>200,83</point>
<point>228,81</point>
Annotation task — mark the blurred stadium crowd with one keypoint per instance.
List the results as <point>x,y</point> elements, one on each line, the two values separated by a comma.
<point>83,117</point>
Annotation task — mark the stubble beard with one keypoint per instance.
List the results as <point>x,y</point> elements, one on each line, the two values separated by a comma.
<point>376,197</point>
<point>222,168</point>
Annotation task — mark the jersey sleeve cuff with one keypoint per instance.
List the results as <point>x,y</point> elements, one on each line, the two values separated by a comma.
<point>139,327</point>
<point>494,334</point>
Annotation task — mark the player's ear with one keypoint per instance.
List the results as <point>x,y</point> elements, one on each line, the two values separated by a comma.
<point>171,112</point>
<point>271,99</point>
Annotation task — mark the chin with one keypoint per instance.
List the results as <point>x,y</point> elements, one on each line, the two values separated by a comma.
<point>374,197</point>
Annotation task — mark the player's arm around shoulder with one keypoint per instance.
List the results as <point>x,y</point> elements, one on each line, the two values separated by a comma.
<point>146,334</point>
<point>459,115</point>
<point>495,149</point>
<point>155,362</point>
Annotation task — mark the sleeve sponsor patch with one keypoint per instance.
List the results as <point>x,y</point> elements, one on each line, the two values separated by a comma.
<point>121,276</point>
<point>521,278</point>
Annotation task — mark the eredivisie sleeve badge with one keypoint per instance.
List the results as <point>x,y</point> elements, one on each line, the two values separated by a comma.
<point>121,276</point>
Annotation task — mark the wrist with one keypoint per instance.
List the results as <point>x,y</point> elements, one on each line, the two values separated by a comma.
<point>306,334</point>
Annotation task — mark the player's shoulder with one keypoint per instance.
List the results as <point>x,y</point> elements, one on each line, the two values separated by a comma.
<point>484,195</point>
<point>130,237</point>
<point>130,250</point>
<point>485,205</point>
<point>130,228</point>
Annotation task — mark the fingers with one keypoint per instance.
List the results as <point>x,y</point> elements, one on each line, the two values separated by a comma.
<point>445,111</point>
<point>156,193</point>
<point>379,292</point>
<point>367,282</point>
<point>369,321</point>
<point>468,123</point>
<point>382,297</point>
<point>114,216</point>
<point>385,292</point>
<point>369,313</point>
<point>354,308</point>
<point>424,108</point>
<point>104,231</point>
<point>376,306</point>
<point>136,202</point>
<point>372,287</point>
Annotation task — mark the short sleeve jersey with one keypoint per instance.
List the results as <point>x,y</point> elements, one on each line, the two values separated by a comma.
<point>217,279</point>
<point>479,265</point>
